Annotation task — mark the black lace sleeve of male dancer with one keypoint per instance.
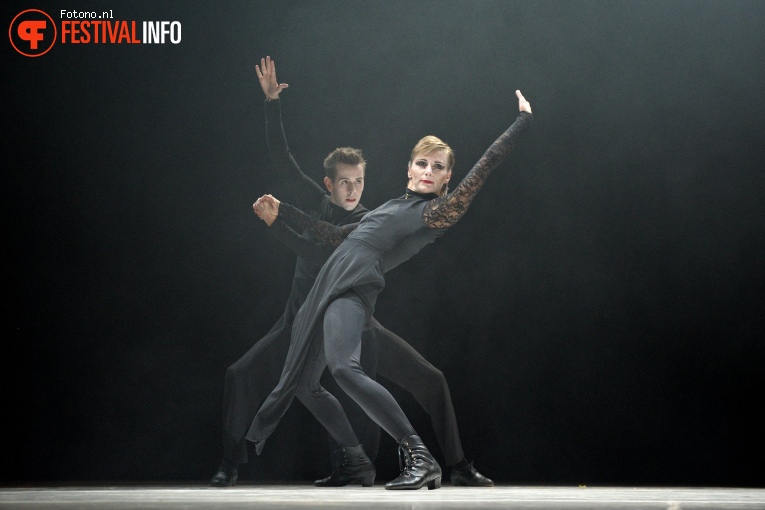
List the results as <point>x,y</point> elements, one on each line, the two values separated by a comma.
<point>443,212</point>
<point>305,190</point>
<point>324,232</point>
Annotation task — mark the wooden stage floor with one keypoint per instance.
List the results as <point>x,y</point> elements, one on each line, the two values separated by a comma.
<point>295,496</point>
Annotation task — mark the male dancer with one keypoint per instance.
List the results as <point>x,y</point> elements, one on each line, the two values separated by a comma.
<point>252,377</point>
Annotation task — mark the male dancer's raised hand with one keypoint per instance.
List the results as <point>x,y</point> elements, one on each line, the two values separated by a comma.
<point>267,78</point>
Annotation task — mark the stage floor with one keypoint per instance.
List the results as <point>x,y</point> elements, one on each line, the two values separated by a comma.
<point>307,496</point>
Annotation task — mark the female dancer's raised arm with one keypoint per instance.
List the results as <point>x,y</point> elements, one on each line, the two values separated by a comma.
<point>444,211</point>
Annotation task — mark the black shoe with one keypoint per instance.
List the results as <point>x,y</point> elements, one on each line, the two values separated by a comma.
<point>465,474</point>
<point>225,477</point>
<point>351,465</point>
<point>419,467</point>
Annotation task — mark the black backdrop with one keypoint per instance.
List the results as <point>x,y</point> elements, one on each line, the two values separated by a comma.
<point>597,313</point>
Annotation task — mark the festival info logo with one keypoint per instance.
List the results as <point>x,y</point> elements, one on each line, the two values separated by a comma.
<point>32,33</point>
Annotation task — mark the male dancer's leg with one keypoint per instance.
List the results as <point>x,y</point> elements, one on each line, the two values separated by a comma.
<point>401,364</point>
<point>248,381</point>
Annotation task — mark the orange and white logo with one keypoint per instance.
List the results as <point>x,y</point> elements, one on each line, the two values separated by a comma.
<point>32,33</point>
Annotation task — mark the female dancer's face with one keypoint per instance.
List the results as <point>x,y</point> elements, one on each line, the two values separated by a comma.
<point>429,172</point>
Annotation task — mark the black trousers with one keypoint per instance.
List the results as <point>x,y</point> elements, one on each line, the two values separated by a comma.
<point>399,363</point>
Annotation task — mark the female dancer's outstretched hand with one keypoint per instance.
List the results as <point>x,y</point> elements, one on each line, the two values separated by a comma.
<point>266,208</point>
<point>267,78</point>
<point>523,105</point>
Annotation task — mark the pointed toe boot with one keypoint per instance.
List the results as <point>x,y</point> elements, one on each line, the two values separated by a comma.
<point>350,465</point>
<point>465,475</point>
<point>225,477</point>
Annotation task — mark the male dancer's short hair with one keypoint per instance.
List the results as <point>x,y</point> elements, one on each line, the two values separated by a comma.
<point>347,155</point>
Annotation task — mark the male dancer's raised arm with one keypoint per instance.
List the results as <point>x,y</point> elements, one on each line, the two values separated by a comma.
<point>305,190</point>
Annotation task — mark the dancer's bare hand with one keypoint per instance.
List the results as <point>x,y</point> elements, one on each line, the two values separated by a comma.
<point>523,105</point>
<point>267,78</point>
<point>267,209</point>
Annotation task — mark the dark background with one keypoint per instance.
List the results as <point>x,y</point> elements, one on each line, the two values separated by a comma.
<point>597,313</point>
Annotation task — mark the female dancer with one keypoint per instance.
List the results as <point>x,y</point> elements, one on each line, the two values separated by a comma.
<point>343,298</point>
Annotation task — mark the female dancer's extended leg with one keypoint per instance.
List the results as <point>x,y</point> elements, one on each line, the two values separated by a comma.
<point>344,321</point>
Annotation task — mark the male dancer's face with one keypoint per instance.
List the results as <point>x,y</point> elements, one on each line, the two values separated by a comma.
<point>347,187</point>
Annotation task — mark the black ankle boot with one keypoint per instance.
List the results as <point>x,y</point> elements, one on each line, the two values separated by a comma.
<point>466,475</point>
<point>225,477</point>
<point>419,467</point>
<point>353,466</point>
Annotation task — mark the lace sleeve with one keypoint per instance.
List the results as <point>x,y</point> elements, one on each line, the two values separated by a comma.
<point>302,247</point>
<point>325,233</point>
<point>443,212</point>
